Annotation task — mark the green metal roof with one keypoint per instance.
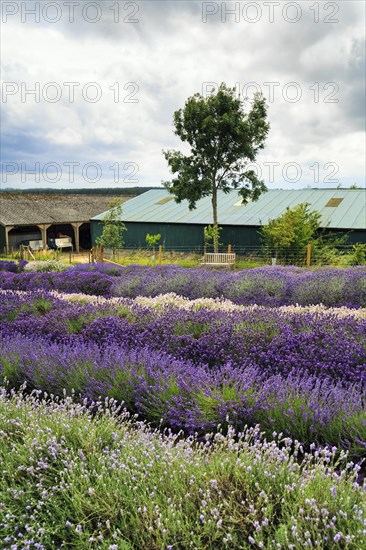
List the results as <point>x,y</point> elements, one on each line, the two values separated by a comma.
<point>159,206</point>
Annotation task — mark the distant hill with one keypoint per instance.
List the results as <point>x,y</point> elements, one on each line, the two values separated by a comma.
<point>113,191</point>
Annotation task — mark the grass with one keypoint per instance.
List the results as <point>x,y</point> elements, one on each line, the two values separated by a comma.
<point>39,255</point>
<point>79,480</point>
<point>191,259</point>
<point>183,259</point>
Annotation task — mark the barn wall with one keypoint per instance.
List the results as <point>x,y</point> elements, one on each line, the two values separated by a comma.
<point>191,236</point>
<point>354,236</point>
<point>179,235</point>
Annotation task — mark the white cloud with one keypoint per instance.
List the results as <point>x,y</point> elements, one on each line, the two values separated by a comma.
<point>67,136</point>
<point>168,56</point>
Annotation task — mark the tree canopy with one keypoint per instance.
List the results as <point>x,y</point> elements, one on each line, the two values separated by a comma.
<point>288,235</point>
<point>113,227</point>
<point>223,140</point>
<point>296,226</point>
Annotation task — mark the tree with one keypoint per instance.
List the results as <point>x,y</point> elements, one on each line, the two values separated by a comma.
<point>210,234</point>
<point>151,241</point>
<point>223,139</point>
<point>288,235</point>
<point>113,227</point>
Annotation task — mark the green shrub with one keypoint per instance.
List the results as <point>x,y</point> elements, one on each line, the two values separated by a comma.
<point>358,256</point>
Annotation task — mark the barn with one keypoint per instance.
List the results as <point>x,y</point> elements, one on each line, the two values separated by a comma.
<point>28,217</point>
<point>342,210</point>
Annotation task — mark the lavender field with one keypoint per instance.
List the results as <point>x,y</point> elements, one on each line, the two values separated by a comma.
<point>262,286</point>
<point>264,369</point>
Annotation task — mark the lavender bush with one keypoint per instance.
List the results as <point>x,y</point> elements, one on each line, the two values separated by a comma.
<point>76,476</point>
<point>69,281</point>
<point>180,395</point>
<point>12,267</point>
<point>78,472</point>
<point>270,286</point>
<point>300,373</point>
<point>105,269</point>
<point>45,266</point>
<point>275,341</point>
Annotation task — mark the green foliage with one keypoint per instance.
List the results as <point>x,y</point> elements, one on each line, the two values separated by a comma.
<point>113,227</point>
<point>223,140</point>
<point>358,256</point>
<point>328,248</point>
<point>211,234</point>
<point>353,186</point>
<point>152,240</point>
<point>288,235</point>
<point>41,306</point>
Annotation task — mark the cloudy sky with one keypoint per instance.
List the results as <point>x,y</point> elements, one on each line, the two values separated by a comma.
<point>89,88</point>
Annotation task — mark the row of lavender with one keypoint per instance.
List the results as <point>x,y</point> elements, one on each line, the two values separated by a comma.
<point>303,374</point>
<point>266,286</point>
<point>85,476</point>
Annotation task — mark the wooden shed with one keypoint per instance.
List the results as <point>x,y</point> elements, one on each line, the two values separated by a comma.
<point>28,217</point>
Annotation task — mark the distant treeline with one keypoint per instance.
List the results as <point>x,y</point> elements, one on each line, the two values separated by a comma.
<point>127,191</point>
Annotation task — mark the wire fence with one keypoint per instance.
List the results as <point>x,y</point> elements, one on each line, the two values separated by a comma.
<point>307,256</point>
<point>340,255</point>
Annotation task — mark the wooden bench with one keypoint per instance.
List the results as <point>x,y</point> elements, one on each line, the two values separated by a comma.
<point>64,242</point>
<point>36,245</point>
<point>219,258</point>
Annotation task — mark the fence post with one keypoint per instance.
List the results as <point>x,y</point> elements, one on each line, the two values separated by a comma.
<point>21,252</point>
<point>101,253</point>
<point>229,249</point>
<point>160,254</point>
<point>29,253</point>
<point>308,255</point>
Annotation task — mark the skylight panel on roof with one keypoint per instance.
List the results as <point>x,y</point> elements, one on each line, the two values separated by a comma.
<point>163,201</point>
<point>240,203</point>
<point>334,202</point>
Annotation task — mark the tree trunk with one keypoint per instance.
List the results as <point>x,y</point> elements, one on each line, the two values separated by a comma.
<point>215,222</point>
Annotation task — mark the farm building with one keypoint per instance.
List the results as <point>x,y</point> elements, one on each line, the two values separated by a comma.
<point>26,217</point>
<point>342,210</point>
